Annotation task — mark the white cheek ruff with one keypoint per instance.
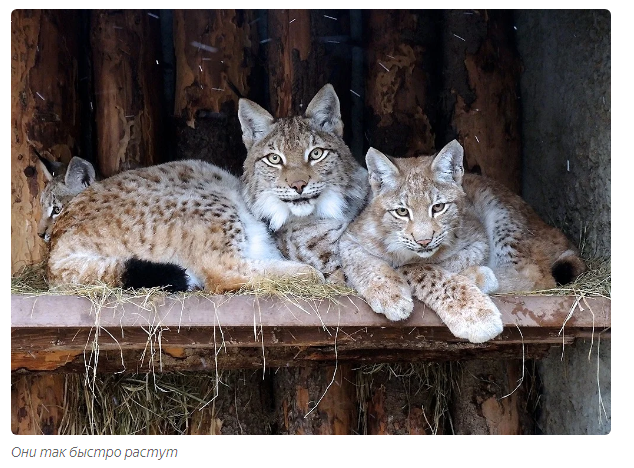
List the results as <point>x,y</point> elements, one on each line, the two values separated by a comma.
<point>269,207</point>
<point>301,209</point>
<point>331,204</point>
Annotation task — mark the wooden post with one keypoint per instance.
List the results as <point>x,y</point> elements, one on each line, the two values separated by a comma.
<point>399,82</point>
<point>490,400</point>
<point>214,52</point>
<point>305,49</point>
<point>244,405</point>
<point>128,89</point>
<point>405,398</point>
<point>480,92</point>
<point>44,115</point>
<point>315,400</point>
<point>37,404</point>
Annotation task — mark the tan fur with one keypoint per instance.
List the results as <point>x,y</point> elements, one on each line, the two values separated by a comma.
<point>188,213</point>
<point>448,239</point>
<point>307,203</point>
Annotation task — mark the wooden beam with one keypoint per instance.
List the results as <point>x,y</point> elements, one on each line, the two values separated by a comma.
<point>64,332</point>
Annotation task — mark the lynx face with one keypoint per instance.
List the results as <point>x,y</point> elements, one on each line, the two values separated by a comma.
<point>298,166</point>
<point>419,202</point>
<point>64,182</point>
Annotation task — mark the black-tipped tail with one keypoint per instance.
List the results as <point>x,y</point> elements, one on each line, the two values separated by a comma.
<point>567,269</point>
<point>144,274</point>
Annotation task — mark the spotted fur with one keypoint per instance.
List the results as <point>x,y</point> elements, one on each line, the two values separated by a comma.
<point>184,213</point>
<point>301,179</point>
<point>448,239</point>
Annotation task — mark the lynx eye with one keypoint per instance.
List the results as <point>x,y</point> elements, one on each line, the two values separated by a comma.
<point>56,210</point>
<point>316,154</point>
<point>438,207</point>
<point>273,159</point>
<point>401,212</point>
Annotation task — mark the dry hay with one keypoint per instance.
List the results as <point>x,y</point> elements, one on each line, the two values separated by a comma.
<point>31,280</point>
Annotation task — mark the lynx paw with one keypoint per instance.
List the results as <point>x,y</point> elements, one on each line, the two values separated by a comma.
<point>477,321</point>
<point>483,277</point>
<point>391,299</point>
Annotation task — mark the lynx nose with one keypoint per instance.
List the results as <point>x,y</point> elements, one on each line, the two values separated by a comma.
<point>298,185</point>
<point>423,242</point>
<point>41,234</point>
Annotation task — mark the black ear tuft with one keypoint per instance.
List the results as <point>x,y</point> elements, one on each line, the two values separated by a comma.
<point>144,274</point>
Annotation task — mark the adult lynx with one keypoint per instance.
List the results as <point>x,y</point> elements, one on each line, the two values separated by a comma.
<point>449,238</point>
<point>185,213</point>
<point>301,179</point>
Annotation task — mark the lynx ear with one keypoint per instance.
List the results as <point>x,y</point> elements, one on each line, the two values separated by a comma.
<point>49,168</point>
<point>255,122</point>
<point>324,111</point>
<point>447,165</point>
<point>79,175</point>
<point>382,171</point>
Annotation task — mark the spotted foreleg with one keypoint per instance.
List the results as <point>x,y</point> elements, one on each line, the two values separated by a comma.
<point>384,289</point>
<point>467,311</point>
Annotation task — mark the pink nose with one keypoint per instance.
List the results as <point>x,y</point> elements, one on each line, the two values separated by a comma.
<point>298,185</point>
<point>423,242</point>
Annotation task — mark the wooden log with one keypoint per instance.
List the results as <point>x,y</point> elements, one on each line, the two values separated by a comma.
<point>315,400</point>
<point>480,95</point>
<point>305,49</point>
<point>242,405</point>
<point>215,52</point>
<point>405,397</point>
<point>128,89</point>
<point>37,404</point>
<point>44,115</point>
<point>492,399</point>
<point>400,82</point>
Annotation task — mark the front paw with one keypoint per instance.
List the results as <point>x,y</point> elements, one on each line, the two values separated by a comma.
<point>483,277</point>
<point>392,299</point>
<point>478,320</point>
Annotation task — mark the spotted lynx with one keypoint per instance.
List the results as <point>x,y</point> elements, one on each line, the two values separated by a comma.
<point>63,183</point>
<point>185,213</point>
<point>449,239</point>
<point>301,179</point>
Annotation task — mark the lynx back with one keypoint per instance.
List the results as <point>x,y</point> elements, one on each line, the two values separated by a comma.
<point>184,213</point>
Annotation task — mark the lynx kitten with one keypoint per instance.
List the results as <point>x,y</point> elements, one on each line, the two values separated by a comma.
<point>301,179</point>
<point>185,213</point>
<point>449,238</point>
<point>63,183</point>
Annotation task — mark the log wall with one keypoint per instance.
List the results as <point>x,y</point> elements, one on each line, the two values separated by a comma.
<point>44,115</point>
<point>426,78</point>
